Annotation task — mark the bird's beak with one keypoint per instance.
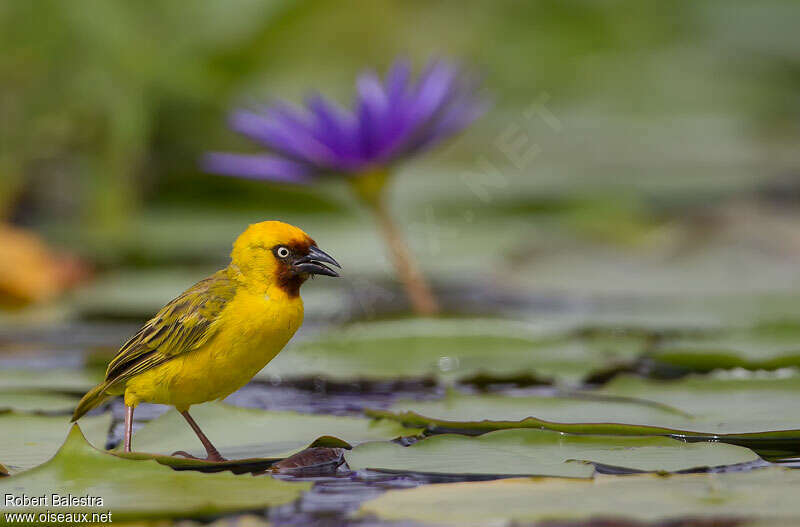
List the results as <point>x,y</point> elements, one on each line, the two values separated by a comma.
<point>314,263</point>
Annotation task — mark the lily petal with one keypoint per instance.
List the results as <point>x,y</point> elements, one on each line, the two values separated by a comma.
<point>261,167</point>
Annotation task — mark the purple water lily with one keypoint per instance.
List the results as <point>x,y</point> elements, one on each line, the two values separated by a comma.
<point>391,120</point>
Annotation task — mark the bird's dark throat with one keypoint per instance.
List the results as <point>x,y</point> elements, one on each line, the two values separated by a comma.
<point>289,281</point>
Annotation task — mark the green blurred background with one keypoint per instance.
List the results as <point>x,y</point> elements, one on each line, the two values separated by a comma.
<point>633,147</point>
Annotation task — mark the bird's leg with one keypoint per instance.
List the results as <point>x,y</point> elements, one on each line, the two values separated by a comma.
<point>213,453</point>
<point>128,427</point>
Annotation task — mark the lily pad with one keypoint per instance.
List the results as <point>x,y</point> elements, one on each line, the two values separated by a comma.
<point>237,466</point>
<point>762,348</point>
<point>542,453</point>
<point>450,350</point>
<point>143,489</point>
<point>29,440</point>
<point>767,494</point>
<point>36,402</point>
<point>52,380</point>
<point>250,433</point>
<point>773,433</point>
<point>326,446</point>
<point>488,412</point>
<point>720,404</point>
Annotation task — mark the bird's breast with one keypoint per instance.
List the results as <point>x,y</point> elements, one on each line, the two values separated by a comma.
<point>252,331</point>
<point>254,328</point>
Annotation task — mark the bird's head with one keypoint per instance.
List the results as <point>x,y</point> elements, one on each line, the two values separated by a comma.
<point>276,254</point>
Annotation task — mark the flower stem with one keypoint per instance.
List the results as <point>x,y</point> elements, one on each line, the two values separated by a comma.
<point>369,187</point>
<point>419,292</point>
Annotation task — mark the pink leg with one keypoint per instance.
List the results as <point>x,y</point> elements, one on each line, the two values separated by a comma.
<point>128,427</point>
<point>213,453</point>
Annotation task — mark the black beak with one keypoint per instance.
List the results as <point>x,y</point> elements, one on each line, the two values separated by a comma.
<point>314,263</point>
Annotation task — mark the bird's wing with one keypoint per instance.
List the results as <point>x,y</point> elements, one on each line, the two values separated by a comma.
<point>183,325</point>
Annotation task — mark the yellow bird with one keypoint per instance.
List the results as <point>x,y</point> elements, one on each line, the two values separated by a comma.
<point>213,338</point>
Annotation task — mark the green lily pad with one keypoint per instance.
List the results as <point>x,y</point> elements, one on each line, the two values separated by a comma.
<point>450,350</point>
<point>237,466</point>
<point>142,489</point>
<point>241,433</point>
<point>240,465</point>
<point>37,402</point>
<point>51,380</point>
<point>766,347</point>
<point>542,453</point>
<point>767,494</point>
<point>722,404</point>
<point>488,412</point>
<point>771,433</point>
<point>29,440</point>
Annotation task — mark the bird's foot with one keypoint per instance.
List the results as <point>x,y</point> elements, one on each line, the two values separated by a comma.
<point>212,456</point>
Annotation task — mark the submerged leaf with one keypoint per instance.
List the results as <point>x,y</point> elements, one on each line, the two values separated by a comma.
<point>311,461</point>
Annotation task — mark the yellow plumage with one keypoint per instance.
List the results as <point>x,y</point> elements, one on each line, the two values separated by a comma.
<point>214,337</point>
<point>253,329</point>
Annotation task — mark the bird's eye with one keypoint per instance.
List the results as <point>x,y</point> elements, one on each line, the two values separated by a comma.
<point>282,252</point>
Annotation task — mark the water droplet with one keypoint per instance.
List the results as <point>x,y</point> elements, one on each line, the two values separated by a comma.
<point>448,363</point>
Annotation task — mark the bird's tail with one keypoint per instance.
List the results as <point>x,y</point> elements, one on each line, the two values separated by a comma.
<point>93,399</point>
